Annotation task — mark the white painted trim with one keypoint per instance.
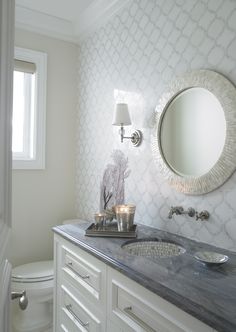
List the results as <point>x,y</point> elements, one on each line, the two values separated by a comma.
<point>5,233</point>
<point>6,84</point>
<point>32,20</point>
<point>97,15</point>
<point>5,298</point>
<point>40,60</point>
<point>93,17</point>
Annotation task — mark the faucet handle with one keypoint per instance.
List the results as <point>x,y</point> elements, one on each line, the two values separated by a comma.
<point>203,215</point>
<point>175,210</point>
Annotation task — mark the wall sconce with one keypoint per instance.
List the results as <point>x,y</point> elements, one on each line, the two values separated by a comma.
<point>122,118</point>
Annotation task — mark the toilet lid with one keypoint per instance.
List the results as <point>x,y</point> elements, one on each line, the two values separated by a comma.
<point>33,272</point>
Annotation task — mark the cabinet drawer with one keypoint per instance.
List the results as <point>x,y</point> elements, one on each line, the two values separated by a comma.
<point>75,316</point>
<point>82,272</point>
<point>137,314</point>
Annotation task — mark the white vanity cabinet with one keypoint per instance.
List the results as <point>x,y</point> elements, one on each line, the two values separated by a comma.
<point>91,296</point>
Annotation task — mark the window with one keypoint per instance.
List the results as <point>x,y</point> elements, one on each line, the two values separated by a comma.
<point>29,106</point>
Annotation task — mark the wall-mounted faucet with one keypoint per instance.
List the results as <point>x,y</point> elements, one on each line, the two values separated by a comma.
<point>179,210</point>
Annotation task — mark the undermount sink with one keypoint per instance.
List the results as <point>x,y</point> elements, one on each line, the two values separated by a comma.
<point>153,248</point>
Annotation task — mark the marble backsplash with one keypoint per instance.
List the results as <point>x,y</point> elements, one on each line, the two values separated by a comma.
<point>132,59</point>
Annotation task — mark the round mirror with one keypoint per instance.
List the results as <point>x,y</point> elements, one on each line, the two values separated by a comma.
<point>191,141</point>
<point>194,142</point>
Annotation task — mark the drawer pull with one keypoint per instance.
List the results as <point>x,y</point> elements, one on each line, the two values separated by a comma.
<point>70,265</point>
<point>69,308</point>
<point>136,319</point>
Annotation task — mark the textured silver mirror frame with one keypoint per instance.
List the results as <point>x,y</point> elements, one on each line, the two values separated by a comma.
<point>225,92</point>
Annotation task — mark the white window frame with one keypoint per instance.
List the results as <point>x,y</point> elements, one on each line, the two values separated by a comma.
<point>40,60</point>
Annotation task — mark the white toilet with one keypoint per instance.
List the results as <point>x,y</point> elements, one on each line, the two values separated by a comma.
<point>37,280</point>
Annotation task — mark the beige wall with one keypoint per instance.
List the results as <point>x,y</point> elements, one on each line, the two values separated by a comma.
<point>43,198</point>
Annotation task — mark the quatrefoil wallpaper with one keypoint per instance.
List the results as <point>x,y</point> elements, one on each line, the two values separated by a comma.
<point>132,59</point>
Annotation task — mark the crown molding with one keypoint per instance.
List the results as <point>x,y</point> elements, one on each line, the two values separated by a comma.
<point>93,17</point>
<point>32,20</point>
<point>97,15</point>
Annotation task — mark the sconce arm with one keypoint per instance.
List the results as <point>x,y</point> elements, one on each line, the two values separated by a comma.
<point>136,137</point>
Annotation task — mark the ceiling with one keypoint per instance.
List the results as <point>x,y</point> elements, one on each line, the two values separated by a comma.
<point>69,20</point>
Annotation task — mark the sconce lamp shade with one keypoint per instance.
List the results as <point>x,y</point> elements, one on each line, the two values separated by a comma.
<point>121,115</point>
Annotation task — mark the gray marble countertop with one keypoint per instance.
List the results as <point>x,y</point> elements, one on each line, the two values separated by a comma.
<point>206,292</point>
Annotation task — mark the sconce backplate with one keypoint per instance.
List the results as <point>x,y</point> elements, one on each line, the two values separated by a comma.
<point>136,138</point>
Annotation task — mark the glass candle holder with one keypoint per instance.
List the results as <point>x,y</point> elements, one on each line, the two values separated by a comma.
<point>125,216</point>
<point>100,219</point>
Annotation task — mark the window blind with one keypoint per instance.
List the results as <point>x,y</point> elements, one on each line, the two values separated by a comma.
<point>24,66</point>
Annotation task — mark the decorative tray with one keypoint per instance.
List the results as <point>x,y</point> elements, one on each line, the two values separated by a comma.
<point>110,230</point>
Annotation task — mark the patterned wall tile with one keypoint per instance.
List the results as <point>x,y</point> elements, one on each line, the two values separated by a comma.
<point>132,59</point>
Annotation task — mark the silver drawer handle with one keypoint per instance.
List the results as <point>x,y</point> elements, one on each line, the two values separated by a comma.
<point>140,322</point>
<point>70,265</point>
<point>70,309</point>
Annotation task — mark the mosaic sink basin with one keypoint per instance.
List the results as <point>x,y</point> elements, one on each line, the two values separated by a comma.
<point>153,248</point>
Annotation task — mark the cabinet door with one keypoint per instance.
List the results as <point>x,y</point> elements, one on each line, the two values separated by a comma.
<point>134,308</point>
